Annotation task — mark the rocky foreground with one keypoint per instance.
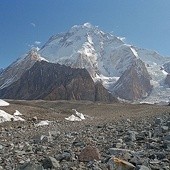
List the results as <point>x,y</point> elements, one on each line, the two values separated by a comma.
<point>126,143</point>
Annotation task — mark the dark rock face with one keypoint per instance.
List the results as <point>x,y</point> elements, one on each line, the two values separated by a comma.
<point>55,82</point>
<point>134,83</point>
<point>101,94</point>
<point>167,67</point>
<point>167,80</point>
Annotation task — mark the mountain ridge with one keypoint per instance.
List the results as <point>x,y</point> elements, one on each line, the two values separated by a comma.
<point>106,58</point>
<point>50,81</point>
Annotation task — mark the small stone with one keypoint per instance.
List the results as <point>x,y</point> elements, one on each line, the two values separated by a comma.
<point>167,137</point>
<point>22,162</point>
<point>168,123</point>
<point>132,135</point>
<point>144,168</point>
<point>118,164</point>
<point>36,139</point>
<point>29,166</point>
<point>89,153</point>
<point>50,163</point>
<point>55,163</point>
<point>66,155</point>
<point>54,134</point>
<point>34,119</point>
<point>78,143</point>
<point>120,141</point>
<point>135,161</point>
<point>160,155</point>
<point>1,147</point>
<point>119,145</point>
<point>128,120</point>
<point>164,128</point>
<point>127,156</point>
<point>158,121</point>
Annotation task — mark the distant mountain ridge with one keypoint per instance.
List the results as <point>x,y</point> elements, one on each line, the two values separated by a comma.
<point>126,71</point>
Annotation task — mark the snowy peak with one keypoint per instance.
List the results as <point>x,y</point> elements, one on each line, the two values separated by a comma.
<point>86,25</point>
<point>83,46</point>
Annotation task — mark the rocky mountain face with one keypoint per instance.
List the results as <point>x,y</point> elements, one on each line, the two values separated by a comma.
<point>55,82</point>
<point>108,60</point>
<point>17,68</point>
<point>167,67</point>
<point>167,80</point>
<point>135,81</point>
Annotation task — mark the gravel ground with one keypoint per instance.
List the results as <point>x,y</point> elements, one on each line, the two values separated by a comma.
<point>136,134</point>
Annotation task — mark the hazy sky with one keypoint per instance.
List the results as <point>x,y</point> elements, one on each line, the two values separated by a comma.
<point>144,23</point>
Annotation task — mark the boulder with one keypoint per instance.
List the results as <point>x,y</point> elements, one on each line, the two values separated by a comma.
<point>89,153</point>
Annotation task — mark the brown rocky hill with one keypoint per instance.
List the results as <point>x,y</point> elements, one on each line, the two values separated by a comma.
<point>134,83</point>
<point>51,81</point>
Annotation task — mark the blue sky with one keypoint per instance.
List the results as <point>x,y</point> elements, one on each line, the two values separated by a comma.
<point>144,23</point>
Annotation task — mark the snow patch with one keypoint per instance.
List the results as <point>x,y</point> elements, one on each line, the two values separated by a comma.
<point>87,24</point>
<point>3,103</point>
<point>43,123</point>
<point>122,38</point>
<point>43,59</point>
<point>164,72</point>
<point>89,38</point>
<point>134,52</point>
<point>79,116</point>
<point>107,82</point>
<point>73,118</point>
<point>5,117</point>
<point>17,113</point>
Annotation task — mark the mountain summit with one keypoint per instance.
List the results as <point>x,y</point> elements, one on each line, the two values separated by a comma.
<point>126,71</point>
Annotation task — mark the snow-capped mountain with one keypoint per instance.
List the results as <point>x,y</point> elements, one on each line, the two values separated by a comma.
<point>107,59</point>
<point>86,46</point>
